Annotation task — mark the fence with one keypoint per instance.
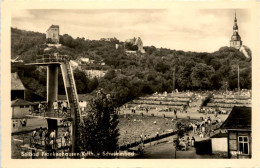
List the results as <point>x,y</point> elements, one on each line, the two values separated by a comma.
<point>57,114</point>
<point>52,58</point>
<point>149,140</point>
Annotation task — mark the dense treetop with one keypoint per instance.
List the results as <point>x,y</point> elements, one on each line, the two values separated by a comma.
<point>130,76</point>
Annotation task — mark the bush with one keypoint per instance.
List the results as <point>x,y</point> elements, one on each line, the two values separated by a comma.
<point>152,115</point>
<point>207,99</point>
<point>163,115</point>
<point>142,114</point>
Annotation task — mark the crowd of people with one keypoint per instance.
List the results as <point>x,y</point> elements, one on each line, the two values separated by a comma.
<point>60,107</point>
<point>183,143</point>
<point>57,107</point>
<point>206,126</point>
<point>45,137</point>
<point>210,110</point>
<point>133,127</point>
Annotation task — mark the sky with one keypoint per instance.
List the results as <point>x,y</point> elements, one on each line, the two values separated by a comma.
<point>200,30</point>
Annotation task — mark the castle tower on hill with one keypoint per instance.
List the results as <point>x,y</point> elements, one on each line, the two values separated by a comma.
<point>235,41</point>
<point>53,34</point>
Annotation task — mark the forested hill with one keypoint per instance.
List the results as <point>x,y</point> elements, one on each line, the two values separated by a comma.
<point>130,76</point>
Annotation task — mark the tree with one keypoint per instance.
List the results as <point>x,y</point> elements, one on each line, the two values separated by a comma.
<point>201,76</point>
<point>93,84</point>
<point>99,133</point>
<point>131,46</point>
<point>81,81</point>
<point>183,79</point>
<point>180,134</point>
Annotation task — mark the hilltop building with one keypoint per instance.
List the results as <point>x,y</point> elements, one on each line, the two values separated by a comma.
<point>92,73</point>
<point>235,41</point>
<point>134,44</point>
<point>119,46</point>
<point>53,34</point>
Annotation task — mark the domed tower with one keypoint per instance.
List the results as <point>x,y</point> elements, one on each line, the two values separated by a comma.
<point>235,41</point>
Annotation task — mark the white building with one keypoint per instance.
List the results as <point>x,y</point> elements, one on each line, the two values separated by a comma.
<point>219,143</point>
<point>95,73</point>
<point>21,108</point>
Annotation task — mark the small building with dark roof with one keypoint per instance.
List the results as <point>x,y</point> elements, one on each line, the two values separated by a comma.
<point>239,129</point>
<point>18,90</point>
<point>21,108</point>
<point>17,87</point>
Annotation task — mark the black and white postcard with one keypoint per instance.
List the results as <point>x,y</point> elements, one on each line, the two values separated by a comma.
<point>130,83</point>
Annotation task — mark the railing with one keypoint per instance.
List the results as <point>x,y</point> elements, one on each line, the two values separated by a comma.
<point>73,98</point>
<point>43,143</point>
<point>46,58</point>
<point>145,141</point>
<point>55,114</point>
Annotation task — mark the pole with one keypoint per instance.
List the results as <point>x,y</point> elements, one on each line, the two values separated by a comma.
<point>173,78</point>
<point>226,87</point>
<point>175,153</point>
<point>238,86</point>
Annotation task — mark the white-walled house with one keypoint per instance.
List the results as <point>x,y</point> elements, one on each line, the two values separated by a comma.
<point>219,143</point>
<point>21,108</point>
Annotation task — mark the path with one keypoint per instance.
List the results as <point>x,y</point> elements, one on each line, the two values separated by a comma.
<point>195,105</point>
<point>166,150</point>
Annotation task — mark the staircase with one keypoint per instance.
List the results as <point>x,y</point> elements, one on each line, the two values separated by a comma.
<point>72,97</point>
<point>72,93</point>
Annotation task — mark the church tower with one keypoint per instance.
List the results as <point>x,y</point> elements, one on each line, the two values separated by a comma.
<point>235,41</point>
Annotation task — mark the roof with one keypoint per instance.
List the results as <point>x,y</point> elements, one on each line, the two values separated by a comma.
<point>238,119</point>
<point>235,37</point>
<point>54,26</point>
<point>73,63</point>
<point>82,97</point>
<point>219,135</point>
<point>21,102</point>
<point>16,83</point>
<point>84,59</point>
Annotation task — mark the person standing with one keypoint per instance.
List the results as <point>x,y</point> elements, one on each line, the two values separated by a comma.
<point>33,141</point>
<point>53,139</point>
<point>40,107</point>
<point>64,106</point>
<point>40,135</point>
<point>67,137</point>
<point>192,141</point>
<point>55,106</point>
<point>46,137</point>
